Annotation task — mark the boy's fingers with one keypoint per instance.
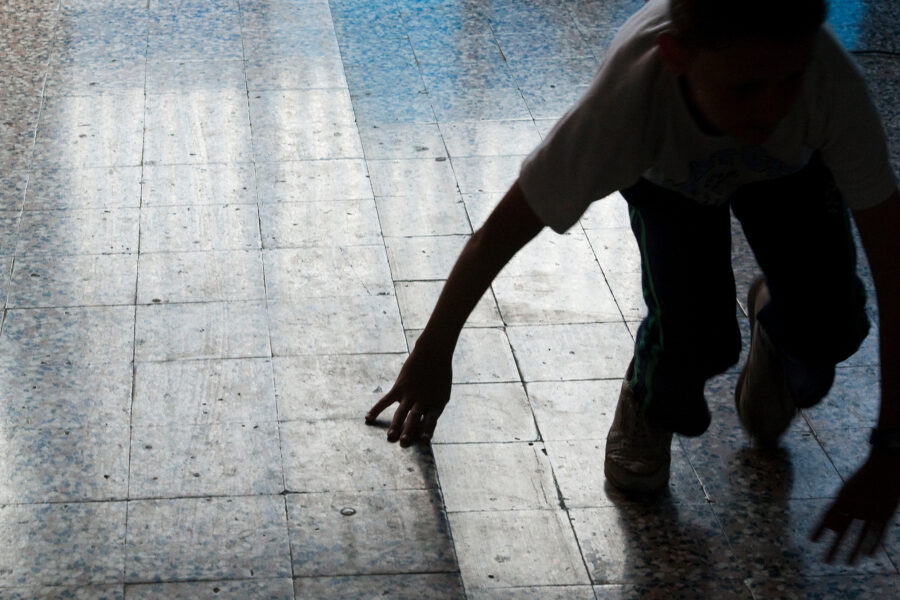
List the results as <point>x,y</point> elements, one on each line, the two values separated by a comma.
<point>379,407</point>
<point>411,425</point>
<point>428,425</point>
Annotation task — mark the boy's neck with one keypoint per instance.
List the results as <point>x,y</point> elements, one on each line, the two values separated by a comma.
<point>702,123</point>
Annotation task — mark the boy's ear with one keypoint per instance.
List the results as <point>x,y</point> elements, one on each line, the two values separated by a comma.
<point>673,52</point>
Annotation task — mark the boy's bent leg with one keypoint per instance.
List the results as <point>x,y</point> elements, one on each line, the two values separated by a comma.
<point>691,331</point>
<point>799,230</point>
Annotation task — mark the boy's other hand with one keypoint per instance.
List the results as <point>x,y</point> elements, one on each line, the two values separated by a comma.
<point>871,495</point>
<point>422,390</point>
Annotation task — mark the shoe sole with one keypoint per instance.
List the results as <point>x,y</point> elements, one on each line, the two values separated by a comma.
<point>627,481</point>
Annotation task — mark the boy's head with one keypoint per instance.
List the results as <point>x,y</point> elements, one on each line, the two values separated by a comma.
<point>741,62</point>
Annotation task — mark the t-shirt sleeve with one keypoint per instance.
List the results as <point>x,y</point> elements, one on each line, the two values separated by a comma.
<point>855,145</point>
<point>597,148</point>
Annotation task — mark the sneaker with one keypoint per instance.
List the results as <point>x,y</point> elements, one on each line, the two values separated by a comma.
<point>638,454</point>
<point>762,397</point>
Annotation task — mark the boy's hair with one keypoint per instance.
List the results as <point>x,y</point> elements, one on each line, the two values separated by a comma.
<point>716,23</point>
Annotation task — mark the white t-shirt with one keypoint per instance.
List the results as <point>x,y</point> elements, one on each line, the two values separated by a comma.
<point>633,122</point>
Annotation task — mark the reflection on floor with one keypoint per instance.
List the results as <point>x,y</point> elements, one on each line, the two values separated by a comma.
<point>223,223</point>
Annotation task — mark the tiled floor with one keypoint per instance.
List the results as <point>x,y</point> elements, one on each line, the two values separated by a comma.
<point>222,224</point>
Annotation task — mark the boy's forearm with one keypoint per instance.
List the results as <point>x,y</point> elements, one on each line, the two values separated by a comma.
<point>510,227</point>
<point>879,228</point>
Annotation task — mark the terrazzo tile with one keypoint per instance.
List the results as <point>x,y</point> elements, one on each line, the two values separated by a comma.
<point>482,355</point>
<point>616,250</point>
<point>489,477</point>
<point>80,231</point>
<point>397,79</point>
<point>438,586</point>
<point>203,392</point>
<point>626,289</point>
<point>91,131</point>
<point>206,539</point>
<point>315,43</point>
<point>418,298</point>
<point>290,73</point>
<point>356,324</point>
<point>99,187</point>
<point>12,191</point>
<point>86,280</point>
<point>388,532</point>
<point>480,206</point>
<point>520,548</point>
<point>208,330</point>
<point>317,180</point>
<point>65,395</point>
<point>566,352</point>
<point>532,18</point>
<point>559,592</point>
<point>199,228</point>
<point>90,592</point>
<point>64,465</point>
<point>864,25</point>
<point>309,141</point>
<point>294,109</point>
<point>203,460</point>
<point>181,185</point>
<point>551,102</point>
<point>295,15</point>
<point>771,541</point>
<point>471,102</point>
<point>488,73</point>
<point>402,140</point>
<point>553,253</point>
<point>264,589</point>
<point>486,174</point>
<point>486,413</point>
<point>654,542</point>
<point>350,456</point>
<point>449,46</point>
<point>423,258</point>
<point>77,336</point>
<point>578,468</point>
<point>489,138</point>
<point>412,177</point>
<point>724,589</point>
<point>319,224</point>
<point>381,107</point>
<point>197,127</point>
<point>173,277</point>
<point>851,587</point>
<point>95,78</point>
<point>853,401</point>
<point>610,212</point>
<point>62,544</point>
<point>293,274</point>
<point>574,410</point>
<point>437,215</point>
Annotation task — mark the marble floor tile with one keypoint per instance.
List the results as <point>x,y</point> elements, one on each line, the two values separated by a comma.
<point>78,280</point>
<point>195,127</point>
<point>610,212</point>
<point>498,549</point>
<point>386,533</point>
<point>437,586</point>
<point>486,174</point>
<point>305,224</point>
<point>313,180</point>
<point>91,131</point>
<point>97,187</point>
<point>12,191</point>
<point>293,274</point>
<point>62,544</point>
<point>427,258</point>
<point>174,277</point>
<point>852,402</point>
<point>412,177</point>
<point>551,103</point>
<point>205,460</point>
<point>354,325</point>
<point>418,298</point>
<point>406,217</point>
<point>626,289</point>
<point>205,330</point>
<point>81,231</point>
<point>616,249</point>
<point>306,141</point>
<point>313,43</point>
<point>63,395</point>
<point>377,107</point>
<point>558,592</point>
<point>578,467</point>
<point>95,78</point>
<point>851,587</point>
<point>387,80</point>
<point>385,141</point>
<point>551,253</point>
<point>319,387</point>
<point>480,206</point>
<point>494,477</point>
<point>574,410</point>
<point>771,541</point>
<point>190,539</point>
<point>196,392</point>
<point>723,589</point>
<point>196,228</point>
<point>290,110</point>
<point>80,336</point>
<point>262,589</point>
<point>192,185</point>
<point>482,355</point>
<point>74,464</point>
<point>544,297</point>
<point>88,592</point>
<point>486,413</point>
<point>350,456</point>
<point>569,352</point>
<point>489,138</point>
<point>179,76</point>
<point>659,542</point>
<point>319,70</point>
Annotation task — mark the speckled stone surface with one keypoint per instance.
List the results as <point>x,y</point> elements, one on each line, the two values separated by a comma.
<point>223,225</point>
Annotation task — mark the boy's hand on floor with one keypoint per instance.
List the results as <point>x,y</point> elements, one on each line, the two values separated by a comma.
<point>422,390</point>
<point>871,495</point>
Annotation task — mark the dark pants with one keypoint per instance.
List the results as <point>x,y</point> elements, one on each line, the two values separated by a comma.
<point>799,230</point>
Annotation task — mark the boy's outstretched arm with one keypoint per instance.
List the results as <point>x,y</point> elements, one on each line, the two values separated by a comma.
<point>422,388</point>
<point>872,494</point>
